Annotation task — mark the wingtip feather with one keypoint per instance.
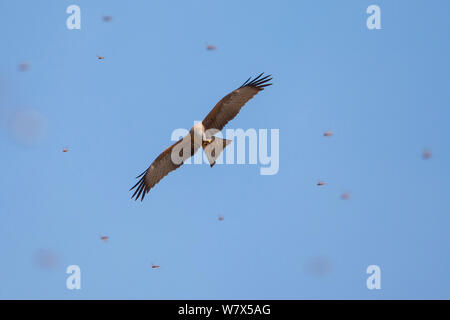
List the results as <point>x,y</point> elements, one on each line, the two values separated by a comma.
<point>258,82</point>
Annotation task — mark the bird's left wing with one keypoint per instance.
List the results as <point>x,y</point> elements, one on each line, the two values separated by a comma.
<point>227,108</point>
<point>169,160</point>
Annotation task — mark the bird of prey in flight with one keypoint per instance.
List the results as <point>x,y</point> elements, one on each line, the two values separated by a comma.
<point>200,135</point>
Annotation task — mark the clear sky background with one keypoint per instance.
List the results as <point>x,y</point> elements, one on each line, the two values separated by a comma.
<point>383,93</point>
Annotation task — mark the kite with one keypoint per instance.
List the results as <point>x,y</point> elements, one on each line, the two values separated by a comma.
<point>201,135</point>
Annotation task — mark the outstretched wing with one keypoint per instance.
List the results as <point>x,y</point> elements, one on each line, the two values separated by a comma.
<point>163,165</point>
<point>227,108</point>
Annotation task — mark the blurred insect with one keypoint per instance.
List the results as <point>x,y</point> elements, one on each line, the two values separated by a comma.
<point>345,196</point>
<point>46,259</point>
<point>24,66</point>
<point>319,266</point>
<point>321,183</point>
<point>327,134</point>
<point>27,126</point>
<point>100,58</point>
<point>426,154</point>
<point>65,149</point>
<point>104,238</point>
<point>107,18</point>
<point>220,218</point>
<point>211,47</point>
<point>155,266</point>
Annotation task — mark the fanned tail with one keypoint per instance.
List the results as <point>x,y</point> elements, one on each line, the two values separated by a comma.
<point>215,148</point>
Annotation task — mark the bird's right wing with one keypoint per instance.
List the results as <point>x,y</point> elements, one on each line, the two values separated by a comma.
<point>169,160</point>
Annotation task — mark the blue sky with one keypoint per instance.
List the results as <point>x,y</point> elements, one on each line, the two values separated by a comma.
<point>383,93</point>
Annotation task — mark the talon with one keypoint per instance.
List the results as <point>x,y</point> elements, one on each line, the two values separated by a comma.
<point>206,142</point>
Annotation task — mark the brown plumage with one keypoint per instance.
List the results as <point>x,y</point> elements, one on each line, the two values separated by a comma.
<point>224,111</point>
<point>230,105</point>
<point>160,168</point>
